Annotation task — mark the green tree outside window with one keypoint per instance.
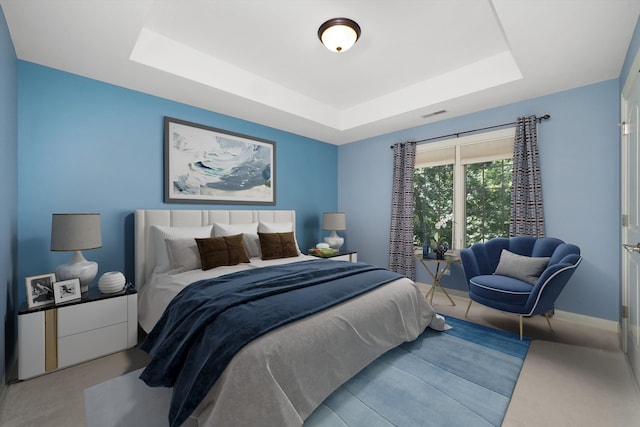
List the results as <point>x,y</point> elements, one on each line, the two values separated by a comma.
<point>487,202</point>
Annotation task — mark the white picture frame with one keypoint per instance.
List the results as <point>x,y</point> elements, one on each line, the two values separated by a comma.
<point>39,290</point>
<point>66,290</point>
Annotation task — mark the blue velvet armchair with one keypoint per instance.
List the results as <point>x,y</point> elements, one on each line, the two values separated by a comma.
<point>525,280</point>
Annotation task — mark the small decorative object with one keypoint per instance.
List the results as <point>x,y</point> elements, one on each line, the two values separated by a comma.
<point>441,249</point>
<point>425,251</point>
<point>334,221</point>
<point>40,290</point>
<point>76,233</point>
<point>111,282</point>
<point>323,252</point>
<point>66,290</point>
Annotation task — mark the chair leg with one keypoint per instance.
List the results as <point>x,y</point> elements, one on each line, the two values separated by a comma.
<point>521,317</point>
<point>468,307</point>
<point>546,316</point>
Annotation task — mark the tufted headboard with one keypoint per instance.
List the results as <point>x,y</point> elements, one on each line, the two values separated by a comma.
<point>145,219</point>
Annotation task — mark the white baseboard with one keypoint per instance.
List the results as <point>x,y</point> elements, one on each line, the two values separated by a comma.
<point>581,319</point>
<point>595,322</point>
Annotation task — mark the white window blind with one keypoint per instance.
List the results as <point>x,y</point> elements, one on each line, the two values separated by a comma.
<point>484,147</point>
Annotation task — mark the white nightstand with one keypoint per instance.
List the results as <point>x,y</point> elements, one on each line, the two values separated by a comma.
<point>55,337</point>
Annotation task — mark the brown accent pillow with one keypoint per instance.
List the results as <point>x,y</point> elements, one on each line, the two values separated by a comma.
<point>219,251</point>
<point>278,245</point>
<point>237,249</point>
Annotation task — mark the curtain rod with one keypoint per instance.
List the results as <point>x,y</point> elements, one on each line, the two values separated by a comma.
<point>457,134</point>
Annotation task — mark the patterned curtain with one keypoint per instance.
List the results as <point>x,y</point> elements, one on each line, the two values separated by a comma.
<point>401,240</point>
<point>527,214</point>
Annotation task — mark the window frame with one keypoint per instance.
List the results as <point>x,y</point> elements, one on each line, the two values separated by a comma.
<point>503,138</point>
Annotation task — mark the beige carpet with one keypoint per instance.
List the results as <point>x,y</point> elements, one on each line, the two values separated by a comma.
<point>57,399</point>
<point>572,376</point>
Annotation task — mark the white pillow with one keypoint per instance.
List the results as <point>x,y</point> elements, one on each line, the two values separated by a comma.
<point>183,254</point>
<point>278,227</point>
<point>160,234</point>
<point>275,227</point>
<point>249,231</point>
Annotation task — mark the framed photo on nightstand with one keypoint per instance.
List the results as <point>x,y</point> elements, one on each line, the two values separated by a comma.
<point>66,290</point>
<point>40,290</point>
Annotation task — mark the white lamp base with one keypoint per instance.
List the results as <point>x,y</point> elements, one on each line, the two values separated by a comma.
<point>334,241</point>
<point>78,268</point>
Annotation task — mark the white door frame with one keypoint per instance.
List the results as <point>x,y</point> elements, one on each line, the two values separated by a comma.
<point>631,78</point>
<point>624,264</point>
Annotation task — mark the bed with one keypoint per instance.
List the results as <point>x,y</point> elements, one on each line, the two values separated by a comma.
<point>282,376</point>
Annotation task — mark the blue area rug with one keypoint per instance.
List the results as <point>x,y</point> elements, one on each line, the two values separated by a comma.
<point>461,377</point>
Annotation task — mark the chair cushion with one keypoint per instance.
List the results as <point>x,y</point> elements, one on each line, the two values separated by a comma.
<point>525,268</point>
<point>502,289</point>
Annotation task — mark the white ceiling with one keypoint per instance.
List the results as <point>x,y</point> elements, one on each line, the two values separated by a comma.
<point>262,61</point>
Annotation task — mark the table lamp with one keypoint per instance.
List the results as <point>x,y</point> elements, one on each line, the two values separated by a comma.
<point>76,232</point>
<point>334,221</point>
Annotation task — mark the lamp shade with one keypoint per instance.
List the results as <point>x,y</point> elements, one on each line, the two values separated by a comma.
<point>334,221</point>
<point>75,232</point>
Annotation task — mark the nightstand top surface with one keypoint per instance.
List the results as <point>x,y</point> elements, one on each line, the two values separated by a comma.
<point>93,294</point>
<point>341,252</point>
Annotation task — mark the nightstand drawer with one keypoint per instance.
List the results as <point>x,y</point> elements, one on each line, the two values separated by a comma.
<point>31,351</point>
<point>88,345</point>
<point>86,317</point>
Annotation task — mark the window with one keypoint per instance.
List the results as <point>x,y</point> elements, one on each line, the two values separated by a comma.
<point>488,200</point>
<point>462,189</point>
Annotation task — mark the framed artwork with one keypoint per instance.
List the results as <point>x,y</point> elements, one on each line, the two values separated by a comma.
<point>66,290</point>
<point>208,165</point>
<point>40,290</point>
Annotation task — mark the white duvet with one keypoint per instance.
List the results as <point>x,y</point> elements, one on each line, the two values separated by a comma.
<point>280,378</point>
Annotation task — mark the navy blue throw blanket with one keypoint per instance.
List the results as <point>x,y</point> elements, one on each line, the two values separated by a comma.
<point>209,321</point>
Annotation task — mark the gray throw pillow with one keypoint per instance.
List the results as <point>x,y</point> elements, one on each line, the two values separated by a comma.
<point>525,268</point>
<point>183,254</point>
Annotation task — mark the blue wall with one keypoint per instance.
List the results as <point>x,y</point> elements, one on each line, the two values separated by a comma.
<point>580,161</point>
<point>87,146</point>
<point>8,195</point>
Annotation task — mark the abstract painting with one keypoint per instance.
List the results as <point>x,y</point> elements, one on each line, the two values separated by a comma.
<point>208,165</point>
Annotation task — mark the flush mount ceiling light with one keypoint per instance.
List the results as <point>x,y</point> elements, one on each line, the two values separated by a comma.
<point>339,34</point>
